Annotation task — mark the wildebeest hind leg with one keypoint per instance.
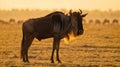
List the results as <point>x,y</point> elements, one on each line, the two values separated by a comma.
<point>26,46</point>
<point>52,56</point>
<point>22,54</point>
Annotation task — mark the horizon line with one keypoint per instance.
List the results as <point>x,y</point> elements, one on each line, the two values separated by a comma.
<point>58,9</point>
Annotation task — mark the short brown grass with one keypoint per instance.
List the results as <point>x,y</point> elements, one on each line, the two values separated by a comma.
<point>98,46</point>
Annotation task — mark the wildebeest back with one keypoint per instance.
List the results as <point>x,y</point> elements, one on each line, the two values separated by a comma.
<point>50,25</point>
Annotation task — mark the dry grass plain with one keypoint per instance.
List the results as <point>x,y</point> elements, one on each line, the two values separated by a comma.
<point>99,46</point>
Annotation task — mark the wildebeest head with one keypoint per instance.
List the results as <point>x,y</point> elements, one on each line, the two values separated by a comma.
<point>76,20</point>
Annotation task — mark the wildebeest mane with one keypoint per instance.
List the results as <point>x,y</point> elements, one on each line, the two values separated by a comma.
<point>56,12</point>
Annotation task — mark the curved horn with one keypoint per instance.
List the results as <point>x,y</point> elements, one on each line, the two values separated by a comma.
<point>80,11</point>
<point>83,15</point>
<point>70,12</point>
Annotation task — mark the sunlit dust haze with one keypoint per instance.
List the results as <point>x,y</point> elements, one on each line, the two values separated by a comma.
<point>59,4</point>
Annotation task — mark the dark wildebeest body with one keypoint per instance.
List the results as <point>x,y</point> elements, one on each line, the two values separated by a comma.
<point>56,25</point>
<point>115,21</point>
<point>106,21</point>
<point>51,25</point>
<point>97,21</point>
<point>91,21</point>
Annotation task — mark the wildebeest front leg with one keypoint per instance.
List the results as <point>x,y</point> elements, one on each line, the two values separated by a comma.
<point>56,42</point>
<point>57,51</point>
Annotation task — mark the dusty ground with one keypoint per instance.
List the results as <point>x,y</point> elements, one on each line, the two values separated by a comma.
<point>99,46</point>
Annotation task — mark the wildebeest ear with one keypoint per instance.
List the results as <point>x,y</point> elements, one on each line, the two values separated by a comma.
<point>83,15</point>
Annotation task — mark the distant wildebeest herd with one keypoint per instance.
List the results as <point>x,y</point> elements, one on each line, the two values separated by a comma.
<point>85,21</point>
<point>11,21</point>
<point>99,21</point>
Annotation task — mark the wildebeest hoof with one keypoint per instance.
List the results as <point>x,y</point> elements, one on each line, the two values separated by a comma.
<point>59,61</point>
<point>26,61</point>
<point>52,61</point>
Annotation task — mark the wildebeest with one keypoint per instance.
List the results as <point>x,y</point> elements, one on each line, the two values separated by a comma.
<point>115,21</point>
<point>106,21</point>
<point>19,21</point>
<point>3,22</point>
<point>91,21</point>
<point>56,25</point>
<point>12,21</point>
<point>97,21</point>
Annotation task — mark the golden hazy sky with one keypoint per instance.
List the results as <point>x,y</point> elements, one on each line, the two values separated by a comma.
<point>68,4</point>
